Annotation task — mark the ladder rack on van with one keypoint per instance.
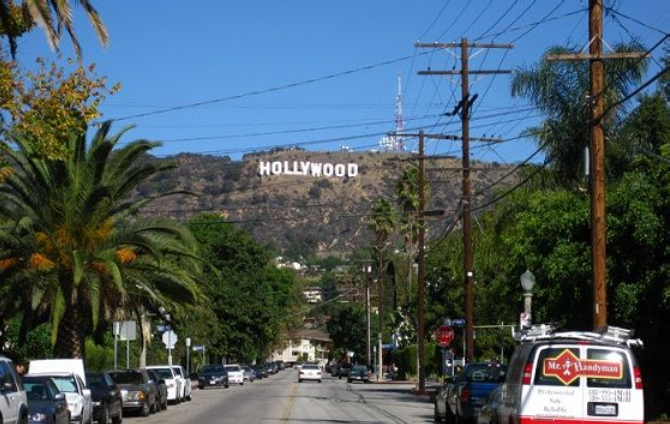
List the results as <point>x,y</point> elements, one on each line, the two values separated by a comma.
<point>609,334</point>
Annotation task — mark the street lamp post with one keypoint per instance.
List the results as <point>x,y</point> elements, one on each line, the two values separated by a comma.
<point>527,283</point>
<point>367,268</point>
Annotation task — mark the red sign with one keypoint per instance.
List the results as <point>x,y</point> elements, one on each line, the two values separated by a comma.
<point>567,368</point>
<point>444,335</point>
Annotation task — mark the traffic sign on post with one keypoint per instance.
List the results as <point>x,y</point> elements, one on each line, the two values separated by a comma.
<point>444,335</point>
<point>170,339</point>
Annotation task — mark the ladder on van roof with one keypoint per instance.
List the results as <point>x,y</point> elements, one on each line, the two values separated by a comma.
<point>608,334</point>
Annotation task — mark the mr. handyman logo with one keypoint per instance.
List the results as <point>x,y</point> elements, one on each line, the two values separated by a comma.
<point>567,367</point>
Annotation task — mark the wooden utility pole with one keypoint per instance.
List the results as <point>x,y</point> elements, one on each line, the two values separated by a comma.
<point>464,108</point>
<point>597,82</point>
<point>422,265</point>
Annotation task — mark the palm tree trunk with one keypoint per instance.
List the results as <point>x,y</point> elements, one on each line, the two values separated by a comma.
<point>70,336</point>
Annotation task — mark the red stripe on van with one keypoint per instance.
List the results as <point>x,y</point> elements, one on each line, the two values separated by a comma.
<point>563,420</point>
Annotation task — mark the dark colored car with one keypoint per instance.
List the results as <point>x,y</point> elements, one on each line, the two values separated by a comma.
<point>467,391</point>
<point>161,389</point>
<point>343,370</point>
<point>46,404</point>
<point>257,371</point>
<point>212,375</point>
<point>358,373</point>
<point>139,392</point>
<point>489,412</point>
<point>106,397</point>
<point>260,369</point>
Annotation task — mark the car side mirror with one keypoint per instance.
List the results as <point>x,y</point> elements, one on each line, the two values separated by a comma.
<point>86,393</point>
<point>59,396</point>
<point>7,385</point>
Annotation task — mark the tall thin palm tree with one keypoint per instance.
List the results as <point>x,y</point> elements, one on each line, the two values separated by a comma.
<point>53,16</point>
<point>85,251</point>
<point>382,221</point>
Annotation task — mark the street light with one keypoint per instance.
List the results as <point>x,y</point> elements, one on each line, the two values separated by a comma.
<point>527,283</point>
<point>367,269</point>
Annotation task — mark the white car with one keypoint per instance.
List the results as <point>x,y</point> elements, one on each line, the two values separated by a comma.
<point>174,385</point>
<point>13,402</point>
<point>185,382</point>
<point>69,376</point>
<point>235,374</point>
<point>310,372</point>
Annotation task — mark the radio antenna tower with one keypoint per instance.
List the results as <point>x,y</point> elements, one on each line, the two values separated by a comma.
<point>399,140</point>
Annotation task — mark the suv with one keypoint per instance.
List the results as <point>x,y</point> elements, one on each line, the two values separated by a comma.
<point>573,376</point>
<point>13,402</point>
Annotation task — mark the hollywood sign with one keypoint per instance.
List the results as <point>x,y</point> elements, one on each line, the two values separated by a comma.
<point>313,169</point>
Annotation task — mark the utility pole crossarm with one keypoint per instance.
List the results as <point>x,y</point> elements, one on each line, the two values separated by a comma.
<point>588,56</point>
<point>479,72</point>
<point>457,45</point>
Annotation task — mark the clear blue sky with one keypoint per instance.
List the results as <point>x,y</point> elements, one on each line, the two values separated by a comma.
<point>311,72</point>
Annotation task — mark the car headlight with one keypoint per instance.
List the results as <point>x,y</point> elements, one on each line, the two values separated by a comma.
<point>40,417</point>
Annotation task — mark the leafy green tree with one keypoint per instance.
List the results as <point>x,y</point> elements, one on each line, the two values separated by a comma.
<point>253,302</point>
<point>75,246</point>
<point>346,328</point>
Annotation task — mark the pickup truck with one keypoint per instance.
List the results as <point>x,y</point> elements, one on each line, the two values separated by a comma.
<point>467,392</point>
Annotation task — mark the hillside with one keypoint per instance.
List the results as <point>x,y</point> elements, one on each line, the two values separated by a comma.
<point>301,213</point>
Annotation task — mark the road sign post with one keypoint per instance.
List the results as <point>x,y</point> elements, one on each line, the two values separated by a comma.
<point>170,339</point>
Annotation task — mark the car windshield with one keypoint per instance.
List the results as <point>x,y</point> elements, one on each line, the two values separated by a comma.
<point>127,377</point>
<point>310,367</point>
<point>233,368</point>
<point>164,373</point>
<point>212,368</point>
<point>65,384</point>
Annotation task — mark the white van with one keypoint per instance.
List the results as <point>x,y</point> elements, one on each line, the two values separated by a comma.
<point>70,378</point>
<point>584,377</point>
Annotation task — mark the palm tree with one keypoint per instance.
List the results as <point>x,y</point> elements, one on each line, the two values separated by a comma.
<point>560,90</point>
<point>53,16</point>
<point>407,198</point>
<point>382,221</point>
<point>79,248</point>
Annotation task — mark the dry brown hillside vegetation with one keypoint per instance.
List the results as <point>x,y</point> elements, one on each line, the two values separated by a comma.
<point>307,214</point>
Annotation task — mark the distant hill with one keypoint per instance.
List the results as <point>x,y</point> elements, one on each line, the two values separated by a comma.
<point>306,213</point>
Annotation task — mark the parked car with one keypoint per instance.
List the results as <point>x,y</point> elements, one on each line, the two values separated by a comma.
<point>161,390</point>
<point>13,402</point>
<point>489,412</point>
<point>440,401</point>
<point>46,404</point>
<point>358,373</point>
<point>185,382</point>
<point>257,372</point>
<point>235,374</point>
<point>343,370</point>
<point>260,370</point>
<point>212,375</point>
<point>249,374</point>
<point>69,377</point>
<point>575,376</point>
<point>106,398</point>
<point>173,385</point>
<point>469,390</point>
<point>310,372</point>
<point>139,393</point>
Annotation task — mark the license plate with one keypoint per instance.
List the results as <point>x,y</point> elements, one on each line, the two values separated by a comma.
<point>212,381</point>
<point>604,409</point>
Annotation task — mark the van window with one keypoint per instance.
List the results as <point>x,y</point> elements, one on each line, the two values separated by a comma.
<point>611,368</point>
<point>557,366</point>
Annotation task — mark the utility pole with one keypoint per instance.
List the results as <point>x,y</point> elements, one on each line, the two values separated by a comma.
<point>597,82</point>
<point>464,108</point>
<point>422,266</point>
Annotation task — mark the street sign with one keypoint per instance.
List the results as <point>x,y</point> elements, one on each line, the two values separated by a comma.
<point>170,339</point>
<point>444,335</point>
<point>458,322</point>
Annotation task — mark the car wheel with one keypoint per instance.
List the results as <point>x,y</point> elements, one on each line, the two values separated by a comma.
<point>119,418</point>
<point>226,386</point>
<point>164,404</point>
<point>348,380</point>
<point>104,416</point>
<point>449,416</point>
<point>145,410</point>
<point>299,381</point>
<point>319,381</point>
<point>153,408</point>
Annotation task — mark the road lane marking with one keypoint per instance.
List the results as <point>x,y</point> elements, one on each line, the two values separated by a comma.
<point>289,404</point>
